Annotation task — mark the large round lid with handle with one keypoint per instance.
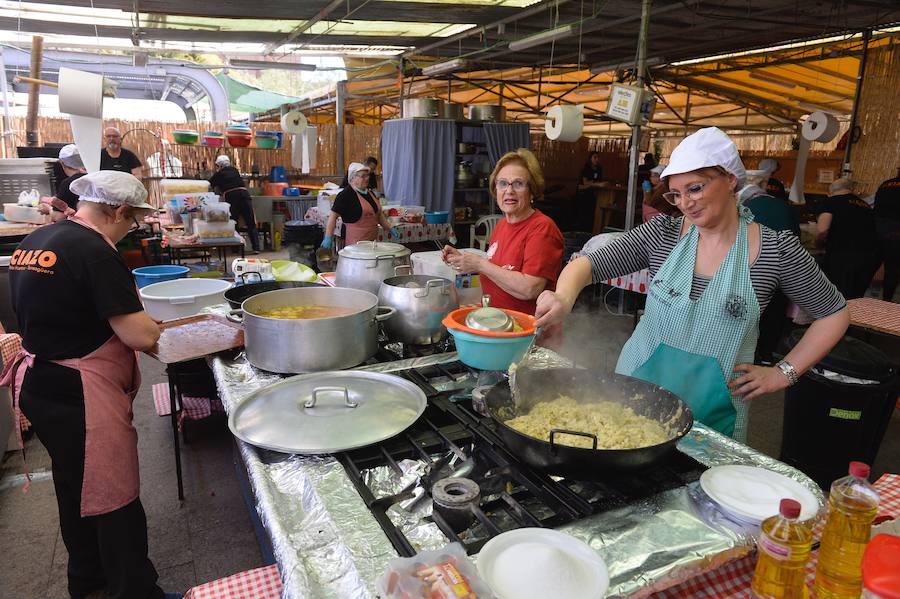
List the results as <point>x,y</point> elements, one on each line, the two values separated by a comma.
<point>370,250</point>
<point>328,412</point>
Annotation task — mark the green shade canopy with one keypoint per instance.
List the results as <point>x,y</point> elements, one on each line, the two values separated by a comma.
<point>246,98</point>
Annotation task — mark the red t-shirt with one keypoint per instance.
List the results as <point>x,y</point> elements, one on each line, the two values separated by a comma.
<point>534,247</point>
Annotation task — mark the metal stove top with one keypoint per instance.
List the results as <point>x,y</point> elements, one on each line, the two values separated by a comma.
<point>497,492</point>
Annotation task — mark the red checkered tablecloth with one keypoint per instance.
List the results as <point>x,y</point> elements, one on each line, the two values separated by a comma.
<point>409,233</point>
<point>875,314</point>
<point>195,408</point>
<point>636,281</point>
<point>261,583</point>
<point>10,344</point>
<point>732,581</point>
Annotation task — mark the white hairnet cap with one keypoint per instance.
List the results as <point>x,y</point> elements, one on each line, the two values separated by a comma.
<point>706,148</point>
<point>111,187</point>
<point>354,168</point>
<point>70,156</point>
<point>770,165</point>
<point>223,160</point>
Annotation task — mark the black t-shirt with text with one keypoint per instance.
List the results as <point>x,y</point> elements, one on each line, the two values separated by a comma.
<point>124,163</point>
<point>65,194</point>
<point>852,226</point>
<point>775,188</point>
<point>887,200</point>
<point>66,282</point>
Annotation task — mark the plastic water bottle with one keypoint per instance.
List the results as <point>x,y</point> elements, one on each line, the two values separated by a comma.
<point>784,545</point>
<point>851,509</point>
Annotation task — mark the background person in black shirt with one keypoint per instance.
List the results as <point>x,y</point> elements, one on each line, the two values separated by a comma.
<point>231,187</point>
<point>773,187</point>
<point>592,173</point>
<point>65,201</point>
<point>846,226</point>
<point>116,158</point>
<point>887,221</point>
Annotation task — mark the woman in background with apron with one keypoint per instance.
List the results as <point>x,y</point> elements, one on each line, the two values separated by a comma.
<point>714,271</point>
<point>359,209</point>
<point>81,322</point>
<point>231,188</point>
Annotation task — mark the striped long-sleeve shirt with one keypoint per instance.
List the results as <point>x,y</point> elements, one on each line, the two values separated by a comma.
<point>782,263</point>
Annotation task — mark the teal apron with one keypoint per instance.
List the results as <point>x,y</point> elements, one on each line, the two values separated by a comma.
<point>690,347</point>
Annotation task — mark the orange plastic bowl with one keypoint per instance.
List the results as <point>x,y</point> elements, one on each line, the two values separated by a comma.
<point>456,320</point>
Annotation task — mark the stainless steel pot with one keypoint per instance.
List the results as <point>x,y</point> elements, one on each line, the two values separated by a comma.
<point>311,344</point>
<point>421,302</point>
<point>465,148</point>
<point>464,177</point>
<point>454,111</point>
<point>429,108</point>
<point>366,264</point>
<point>487,112</point>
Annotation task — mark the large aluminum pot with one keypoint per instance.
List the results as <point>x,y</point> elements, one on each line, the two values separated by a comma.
<point>455,111</point>
<point>487,112</point>
<point>421,302</point>
<point>312,344</point>
<point>429,108</point>
<point>366,264</point>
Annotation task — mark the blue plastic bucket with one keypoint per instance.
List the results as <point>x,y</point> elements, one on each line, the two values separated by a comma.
<point>278,174</point>
<point>147,275</point>
<point>437,218</point>
<point>489,353</point>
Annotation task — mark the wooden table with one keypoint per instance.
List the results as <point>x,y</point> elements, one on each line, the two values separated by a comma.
<point>179,251</point>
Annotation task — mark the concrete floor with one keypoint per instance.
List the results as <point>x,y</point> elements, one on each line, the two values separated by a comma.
<point>210,534</point>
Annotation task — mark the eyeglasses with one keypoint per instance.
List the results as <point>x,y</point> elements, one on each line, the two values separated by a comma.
<point>135,225</point>
<point>517,185</point>
<point>694,193</point>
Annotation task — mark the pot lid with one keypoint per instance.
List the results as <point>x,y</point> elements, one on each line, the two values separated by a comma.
<point>489,319</point>
<point>369,250</point>
<point>300,224</point>
<point>328,412</point>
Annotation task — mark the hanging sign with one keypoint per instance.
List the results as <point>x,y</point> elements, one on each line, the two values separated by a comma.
<point>630,104</point>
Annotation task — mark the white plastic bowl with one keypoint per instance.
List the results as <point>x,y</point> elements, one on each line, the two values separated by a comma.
<point>182,297</point>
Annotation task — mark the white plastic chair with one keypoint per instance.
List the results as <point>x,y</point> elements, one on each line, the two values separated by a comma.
<point>489,223</point>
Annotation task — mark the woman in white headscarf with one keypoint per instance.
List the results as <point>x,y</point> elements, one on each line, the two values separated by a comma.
<point>714,270</point>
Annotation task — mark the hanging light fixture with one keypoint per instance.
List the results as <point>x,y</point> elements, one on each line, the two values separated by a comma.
<point>544,37</point>
<point>445,67</point>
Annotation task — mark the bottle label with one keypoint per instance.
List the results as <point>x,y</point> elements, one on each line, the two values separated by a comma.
<point>774,548</point>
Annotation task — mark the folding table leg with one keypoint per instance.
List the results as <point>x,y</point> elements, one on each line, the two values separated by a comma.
<point>175,388</point>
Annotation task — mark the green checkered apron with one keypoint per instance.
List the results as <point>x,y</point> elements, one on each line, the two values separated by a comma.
<point>690,347</point>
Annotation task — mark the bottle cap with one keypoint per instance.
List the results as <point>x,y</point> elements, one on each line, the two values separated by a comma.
<point>859,469</point>
<point>789,508</point>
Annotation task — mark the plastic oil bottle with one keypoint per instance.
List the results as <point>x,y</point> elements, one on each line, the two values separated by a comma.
<point>852,506</point>
<point>784,545</point>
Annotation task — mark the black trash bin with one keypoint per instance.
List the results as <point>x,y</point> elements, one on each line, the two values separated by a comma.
<point>301,238</point>
<point>839,410</point>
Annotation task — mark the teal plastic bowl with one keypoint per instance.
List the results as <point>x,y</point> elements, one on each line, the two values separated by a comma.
<point>147,275</point>
<point>489,353</point>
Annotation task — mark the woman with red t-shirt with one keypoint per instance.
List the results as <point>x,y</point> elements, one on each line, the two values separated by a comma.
<point>526,249</point>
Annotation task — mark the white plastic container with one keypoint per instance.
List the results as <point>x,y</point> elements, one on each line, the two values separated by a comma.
<point>206,231</point>
<point>468,285</point>
<point>24,214</point>
<point>182,297</point>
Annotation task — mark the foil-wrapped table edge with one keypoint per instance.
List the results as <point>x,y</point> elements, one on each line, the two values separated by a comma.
<point>328,545</point>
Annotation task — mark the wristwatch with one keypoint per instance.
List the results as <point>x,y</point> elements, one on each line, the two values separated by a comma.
<point>787,369</point>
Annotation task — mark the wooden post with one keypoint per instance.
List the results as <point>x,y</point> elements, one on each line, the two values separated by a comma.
<point>34,92</point>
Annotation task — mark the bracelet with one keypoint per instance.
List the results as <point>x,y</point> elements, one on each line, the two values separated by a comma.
<point>787,369</point>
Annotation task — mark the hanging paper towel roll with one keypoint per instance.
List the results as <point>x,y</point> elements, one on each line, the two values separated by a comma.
<point>820,127</point>
<point>564,123</point>
<point>293,122</point>
<point>81,95</point>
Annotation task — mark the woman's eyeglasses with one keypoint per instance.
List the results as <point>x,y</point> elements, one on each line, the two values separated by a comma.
<point>694,193</point>
<point>517,185</point>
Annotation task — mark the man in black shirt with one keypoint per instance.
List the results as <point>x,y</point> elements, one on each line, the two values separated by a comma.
<point>116,158</point>
<point>846,226</point>
<point>230,186</point>
<point>887,221</point>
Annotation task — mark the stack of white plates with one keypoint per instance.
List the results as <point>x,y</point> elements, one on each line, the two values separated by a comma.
<point>749,495</point>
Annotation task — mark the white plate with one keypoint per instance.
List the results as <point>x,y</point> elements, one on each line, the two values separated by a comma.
<point>591,576</point>
<point>752,494</point>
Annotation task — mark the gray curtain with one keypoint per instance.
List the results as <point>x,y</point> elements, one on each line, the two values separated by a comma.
<point>505,137</point>
<point>418,162</point>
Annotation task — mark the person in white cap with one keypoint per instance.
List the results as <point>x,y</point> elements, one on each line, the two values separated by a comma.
<point>81,321</point>
<point>360,210</point>
<point>64,202</point>
<point>774,187</point>
<point>714,270</point>
<point>230,185</point>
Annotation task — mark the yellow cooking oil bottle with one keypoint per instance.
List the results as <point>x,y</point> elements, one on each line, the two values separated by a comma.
<point>852,506</point>
<point>784,546</point>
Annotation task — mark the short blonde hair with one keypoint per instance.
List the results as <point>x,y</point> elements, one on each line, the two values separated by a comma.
<point>526,158</point>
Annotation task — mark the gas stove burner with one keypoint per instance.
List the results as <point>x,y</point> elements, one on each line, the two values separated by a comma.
<point>454,499</point>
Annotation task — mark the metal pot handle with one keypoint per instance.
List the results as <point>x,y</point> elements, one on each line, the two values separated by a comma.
<point>384,312</point>
<point>236,316</point>
<point>568,432</point>
<point>399,266</point>
<point>311,402</point>
<point>247,275</point>
<point>428,285</point>
<point>381,257</point>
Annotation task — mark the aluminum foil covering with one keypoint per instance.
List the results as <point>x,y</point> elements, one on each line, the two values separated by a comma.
<point>327,543</point>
